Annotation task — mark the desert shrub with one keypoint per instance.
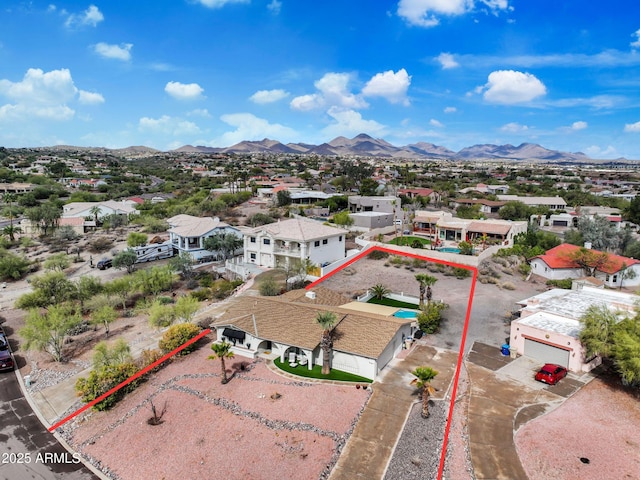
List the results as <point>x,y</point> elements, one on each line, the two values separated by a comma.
<point>430,316</point>
<point>177,335</point>
<point>165,300</point>
<point>205,279</point>
<point>269,288</point>
<point>223,288</point>
<point>100,245</point>
<point>418,263</point>
<point>565,283</point>
<point>201,294</point>
<point>461,273</point>
<point>102,380</point>
<point>524,269</point>
<point>160,315</point>
<point>508,286</point>
<point>377,255</point>
<point>507,271</point>
<point>149,356</point>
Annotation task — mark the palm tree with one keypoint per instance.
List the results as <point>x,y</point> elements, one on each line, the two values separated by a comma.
<point>327,321</point>
<point>425,283</point>
<point>223,243</point>
<point>95,211</point>
<point>10,231</point>
<point>379,291</point>
<point>424,375</point>
<point>221,350</point>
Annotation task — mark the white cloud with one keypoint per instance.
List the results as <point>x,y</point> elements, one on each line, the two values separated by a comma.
<point>435,123</point>
<point>450,110</point>
<point>249,127</point>
<point>263,97</point>
<point>447,61</point>
<point>596,152</point>
<point>632,127</point>
<point>274,7</point>
<point>391,86</point>
<point>636,42</point>
<point>184,91</point>
<point>219,3</point>
<point>349,122</point>
<point>514,127</point>
<point>90,98</point>
<point>90,17</point>
<point>42,95</point>
<point>511,87</point>
<point>167,125</point>
<point>580,125</point>
<point>199,112</point>
<point>332,91</point>
<point>427,13</point>
<point>117,52</point>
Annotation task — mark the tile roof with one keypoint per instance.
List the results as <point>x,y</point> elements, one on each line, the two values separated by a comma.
<point>299,229</point>
<point>291,319</point>
<point>489,227</point>
<point>189,226</point>
<point>561,257</point>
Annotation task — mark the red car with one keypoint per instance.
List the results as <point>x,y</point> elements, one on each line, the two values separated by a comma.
<point>551,373</point>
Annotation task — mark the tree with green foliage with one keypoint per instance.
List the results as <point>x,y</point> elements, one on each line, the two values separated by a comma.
<point>51,288</point>
<point>632,212</point>
<point>154,281</point>
<point>57,262</point>
<point>135,239</point>
<point>223,244</point>
<point>368,187</point>
<point>430,316</point>
<point>102,380</point>
<point>425,282</point>
<point>12,266</point>
<point>106,355</point>
<point>182,264</point>
<point>221,351</point>
<point>64,236</point>
<point>44,217</point>
<point>283,198</point>
<point>326,320</point>
<point>469,212</point>
<point>598,325</point>
<point>466,248</point>
<point>626,350</point>
<point>601,233</point>
<point>424,376</point>
<point>379,291</point>
<point>160,314</point>
<point>86,287</point>
<point>47,331</point>
<point>185,308</point>
<point>121,288</point>
<point>269,288</point>
<point>343,219</point>
<point>125,259</point>
<point>589,260</point>
<point>11,231</point>
<point>105,315</point>
<point>515,210</point>
<point>259,219</point>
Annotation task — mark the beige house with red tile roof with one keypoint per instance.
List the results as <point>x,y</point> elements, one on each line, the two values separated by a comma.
<point>363,343</point>
<point>558,264</point>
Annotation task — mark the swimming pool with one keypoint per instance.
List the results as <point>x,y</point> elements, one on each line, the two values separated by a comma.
<point>405,314</point>
<point>449,250</point>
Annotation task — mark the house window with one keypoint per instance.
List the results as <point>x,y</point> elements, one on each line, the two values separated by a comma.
<point>316,243</point>
<point>340,238</point>
<point>252,239</point>
<point>615,278</point>
<point>252,256</point>
<point>325,241</point>
<point>266,241</point>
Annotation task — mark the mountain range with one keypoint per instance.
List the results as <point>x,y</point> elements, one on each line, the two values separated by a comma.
<point>365,145</point>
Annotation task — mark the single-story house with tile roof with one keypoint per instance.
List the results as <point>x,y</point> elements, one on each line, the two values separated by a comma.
<point>558,263</point>
<point>549,326</point>
<point>363,343</point>
<point>106,208</point>
<point>486,206</point>
<point>553,203</point>
<point>275,244</point>
<point>188,233</point>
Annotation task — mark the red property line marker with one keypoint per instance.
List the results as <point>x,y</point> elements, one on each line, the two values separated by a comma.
<point>129,380</point>
<point>463,339</point>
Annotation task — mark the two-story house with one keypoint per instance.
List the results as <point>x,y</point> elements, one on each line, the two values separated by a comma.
<point>275,244</point>
<point>188,233</point>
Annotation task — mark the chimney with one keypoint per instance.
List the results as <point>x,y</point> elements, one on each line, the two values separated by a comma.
<point>587,245</point>
<point>311,295</point>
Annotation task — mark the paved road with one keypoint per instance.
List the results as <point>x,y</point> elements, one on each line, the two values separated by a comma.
<point>27,449</point>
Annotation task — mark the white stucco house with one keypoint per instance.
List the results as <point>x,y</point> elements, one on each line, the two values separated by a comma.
<point>286,327</point>
<point>106,208</point>
<point>549,326</point>
<point>558,264</point>
<point>188,233</point>
<point>275,244</point>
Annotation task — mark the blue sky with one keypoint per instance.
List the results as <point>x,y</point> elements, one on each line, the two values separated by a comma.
<point>564,74</point>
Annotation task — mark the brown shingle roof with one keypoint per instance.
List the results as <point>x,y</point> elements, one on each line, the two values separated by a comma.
<point>294,323</point>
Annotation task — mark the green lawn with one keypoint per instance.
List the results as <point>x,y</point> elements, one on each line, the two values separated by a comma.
<point>393,303</point>
<point>303,371</point>
<point>408,240</point>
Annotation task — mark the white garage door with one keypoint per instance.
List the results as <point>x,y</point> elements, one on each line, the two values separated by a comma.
<point>546,353</point>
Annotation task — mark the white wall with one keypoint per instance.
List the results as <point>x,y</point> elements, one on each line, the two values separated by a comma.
<point>333,250</point>
<point>539,267</point>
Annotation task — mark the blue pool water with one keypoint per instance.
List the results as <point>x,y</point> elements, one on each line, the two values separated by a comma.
<point>449,250</point>
<point>405,314</point>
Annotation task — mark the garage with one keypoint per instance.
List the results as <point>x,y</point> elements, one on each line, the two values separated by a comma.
<point>560,223</point>
<point>546,353</point>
